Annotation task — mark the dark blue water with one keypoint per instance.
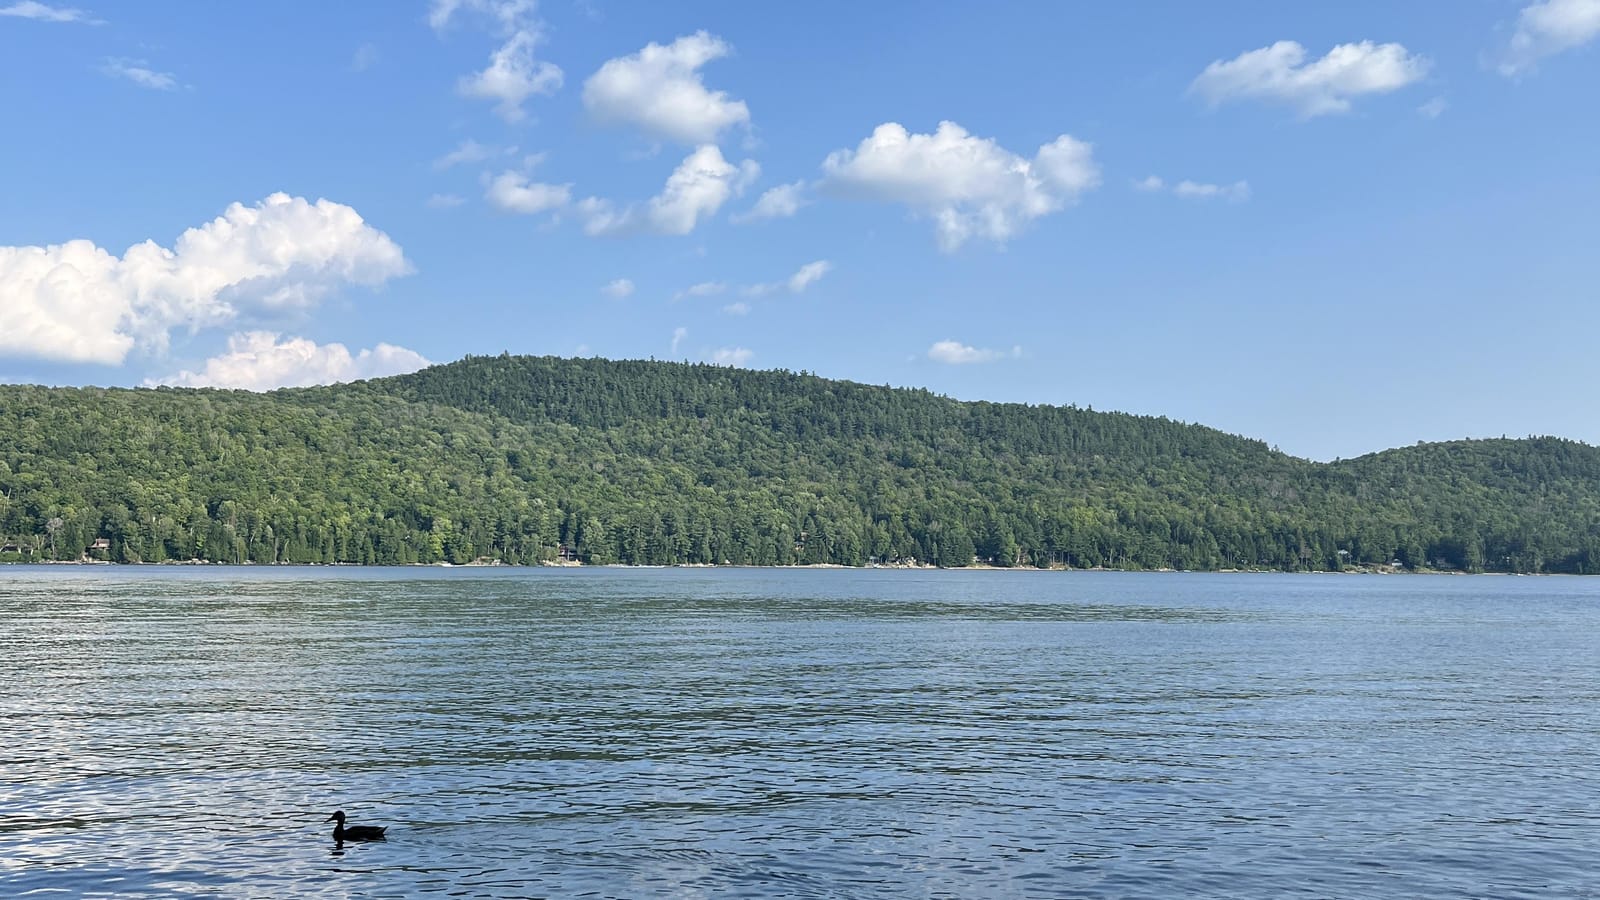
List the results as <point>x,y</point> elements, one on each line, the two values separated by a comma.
<point>810,733</point>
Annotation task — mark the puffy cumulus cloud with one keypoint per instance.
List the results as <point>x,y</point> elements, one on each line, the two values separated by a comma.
<point>659,90</point>
<point>32,9</point>
<point>1281,74</point>
<point>970,186</point>
<point>781,202</point>
<point>139,72</point>
<point>618,288</point>
<point>512,76</point>
<point>804,277</point>
<point>1150,184</point>
<point>1434,108</point>
<point>1547,28</point>
<point>76,302</point>
<point>698,187</point>
<point>740,308</point>
<point>259,361</point>
<point>514,192</point>
<point>514,73</point>
<point>956,353</point>
<point>65,302</point>
<point>732,356</point>
<point>695,190</point>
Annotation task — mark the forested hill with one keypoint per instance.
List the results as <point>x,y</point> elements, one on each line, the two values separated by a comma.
<point>526,459</point>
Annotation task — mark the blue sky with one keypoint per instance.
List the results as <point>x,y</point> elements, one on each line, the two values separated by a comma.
<point>1335,227</point>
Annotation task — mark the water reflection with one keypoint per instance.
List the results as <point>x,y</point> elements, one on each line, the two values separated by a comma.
<point>796,734</point>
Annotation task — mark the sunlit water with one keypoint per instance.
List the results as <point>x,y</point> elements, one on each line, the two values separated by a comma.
<point>687,733</point>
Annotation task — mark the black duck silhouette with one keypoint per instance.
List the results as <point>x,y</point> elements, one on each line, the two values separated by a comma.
<point>355,832</point>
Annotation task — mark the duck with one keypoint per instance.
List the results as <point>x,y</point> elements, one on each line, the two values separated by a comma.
<point>355,833</point>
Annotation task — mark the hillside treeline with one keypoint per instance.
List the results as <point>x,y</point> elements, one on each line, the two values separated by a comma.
<point>530,459</point>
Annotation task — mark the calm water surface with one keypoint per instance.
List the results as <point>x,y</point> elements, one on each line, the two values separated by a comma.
<point>744,733</point>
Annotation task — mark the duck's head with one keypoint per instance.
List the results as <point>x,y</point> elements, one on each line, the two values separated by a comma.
<point>336,817</point>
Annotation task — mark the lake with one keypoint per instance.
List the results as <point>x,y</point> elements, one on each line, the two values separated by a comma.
<point>176,732</point>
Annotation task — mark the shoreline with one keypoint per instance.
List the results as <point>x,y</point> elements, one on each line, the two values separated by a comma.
<point>196,563</point>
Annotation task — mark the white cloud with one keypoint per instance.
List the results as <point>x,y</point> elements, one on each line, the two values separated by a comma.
<point>512,76</point>
<point>76,302</point>
<point>780,202</point>
<point>678,334</point>
<point>740,308</point>
<point>139,72</point>
<point>1434,108</point>
<point>468,151</point>
<point>803,278</point>
<point>956,353</point>
<point>513,73</point>
<point>259,361</point>
<point>366,56</point>
<point>618,288</point>
<point>513,192</point>
<point>440,12</point>
<point>703,289</point>
<point>445,201</point>
<point>808,275</point>
<point>970,186</point>
<point>1238,192</point>
<point>732,356</point>
<point>1547,28</point>
<point>659,90</point>
<point>601,217</point>
<point>31,9</point>
<point>1280,73</point>
<point>699,187</point>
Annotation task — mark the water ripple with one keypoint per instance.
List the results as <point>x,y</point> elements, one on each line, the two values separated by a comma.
<point>796,734</point>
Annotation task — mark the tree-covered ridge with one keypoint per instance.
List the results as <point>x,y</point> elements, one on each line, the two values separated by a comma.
<point>524,459</point>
